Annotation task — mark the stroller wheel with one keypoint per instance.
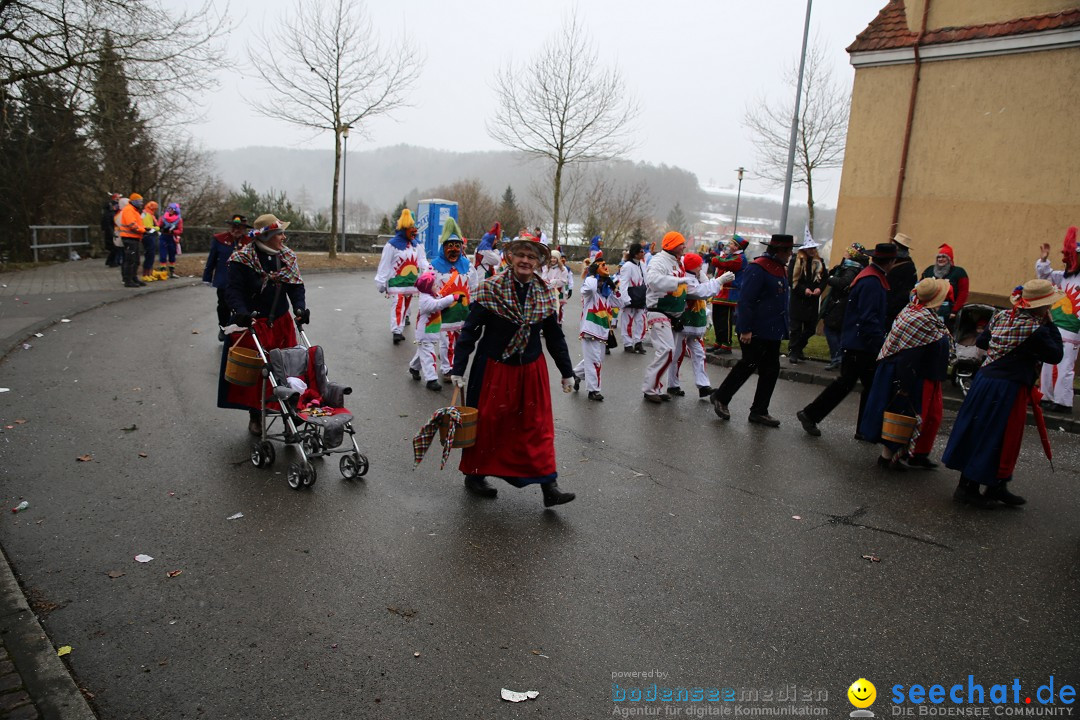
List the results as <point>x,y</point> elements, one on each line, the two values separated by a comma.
<point>262,454</point>
<point>964,381</point>
<point>353,465</point>
<point>301,474</point>
<point>312,445</point>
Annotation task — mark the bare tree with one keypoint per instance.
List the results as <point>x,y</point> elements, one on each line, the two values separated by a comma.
<point>618,209</point>
<point>477,209</point>
<point>325,69</point>
<point>563,107</point>
<point>823,119</point>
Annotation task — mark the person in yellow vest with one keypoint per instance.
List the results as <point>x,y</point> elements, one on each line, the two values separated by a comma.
<point>451,279</point>
<point>130,228</point>
<point>665,300</point>
<point>403,260</point>
<point>150,241</point>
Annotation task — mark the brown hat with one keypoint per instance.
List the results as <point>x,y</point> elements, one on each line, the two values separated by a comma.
<point>931,292</point>
<point>267,225</point>
<point>1036,294</point>
<point>531,242</point>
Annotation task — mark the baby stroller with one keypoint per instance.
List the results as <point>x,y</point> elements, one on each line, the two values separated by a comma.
<point>970,322</point>
<point>303,408</point>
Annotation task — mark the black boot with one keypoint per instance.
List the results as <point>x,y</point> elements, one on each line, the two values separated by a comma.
<point>967,492</point>
<point>478,485</point>
<point>554,496</point>
<point>922,460</point>
<point>1001,494</point>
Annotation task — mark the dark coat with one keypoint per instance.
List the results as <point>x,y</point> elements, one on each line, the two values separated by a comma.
<point>836,296</point>
<point>763,300</point>
<point>247,294</point>
<point>216,271</point>
<point>865,326</point>
<point>805,308</point>
<point>902,280</point>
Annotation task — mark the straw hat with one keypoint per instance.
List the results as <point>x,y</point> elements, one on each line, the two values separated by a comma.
<point>1036,294</point>
<point>931,292</point>
<point>527,241</point>
<point>267,225</point>
<point>902,240</point>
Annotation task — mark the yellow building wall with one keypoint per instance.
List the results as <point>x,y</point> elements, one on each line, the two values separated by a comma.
<point>959,13</point>
<point>993,168</point>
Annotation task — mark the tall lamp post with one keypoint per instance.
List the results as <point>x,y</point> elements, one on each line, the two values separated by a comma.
<point>795,124</point>
<point>738,197</point>
<point>344,179</point>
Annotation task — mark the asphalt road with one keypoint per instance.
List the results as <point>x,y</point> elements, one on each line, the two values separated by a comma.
<point>713,554</point>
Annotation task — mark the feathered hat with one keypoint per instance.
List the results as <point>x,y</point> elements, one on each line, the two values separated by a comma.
<point>406,220</point>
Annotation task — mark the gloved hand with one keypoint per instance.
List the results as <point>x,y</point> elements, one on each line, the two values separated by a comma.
<point>569,293</point>
<point>381,287</point>
<point>458,380</point>
<point>242,319</point>
<point>568,384</point>
<point>727,278</point>
<point>303,317</point>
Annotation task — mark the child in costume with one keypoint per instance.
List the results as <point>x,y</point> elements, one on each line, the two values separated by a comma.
<point>451,269</point>
<point>595,250</point>
<point>598,298</point>
<point>559,278</point>
<point>402,262</point>
<point>488,259</point>
<point>429,330</point>
<point>172,227</point>
<point>689,339</point>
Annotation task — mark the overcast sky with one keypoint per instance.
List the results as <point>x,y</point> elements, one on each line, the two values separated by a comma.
<point>693,65</point>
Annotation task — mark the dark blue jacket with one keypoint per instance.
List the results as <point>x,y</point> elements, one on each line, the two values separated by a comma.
<point>216,271</point>
<point>865,319</point>
<point>763,300</point>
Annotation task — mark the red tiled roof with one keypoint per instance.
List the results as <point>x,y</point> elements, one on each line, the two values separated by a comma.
<point>889,29</point>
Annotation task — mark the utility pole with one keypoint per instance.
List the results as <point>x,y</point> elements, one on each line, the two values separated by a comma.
<point>795,125</point>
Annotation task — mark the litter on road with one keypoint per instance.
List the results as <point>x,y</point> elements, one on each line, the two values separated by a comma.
<point>20,507</point>
<point>514,696</point>
<point>143,558</point>
<point>237,516</point>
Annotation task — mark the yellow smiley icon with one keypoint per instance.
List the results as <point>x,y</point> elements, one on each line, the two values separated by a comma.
<point>862,693</point>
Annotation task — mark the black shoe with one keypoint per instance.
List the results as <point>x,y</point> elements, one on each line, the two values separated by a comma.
<point>794,360</point>
<point>595,395</point>
<point>653,398</point>
<point>720,408</point>
<point>398,337</point>
<point>808,425</point>
<point>478,485</point>
<point>664,397</point>
<point>922,461</point>
<point>1067,409</point>
<point>554,496</point>
<point>133,284</point>
<point>221,335</point>
<point>607,351</point>
<point>1001,494</point>
<point>676,392</point>
<point>704,391</point>
<point>629,349</point>
<point>967,492</point>
<point>859,436</point>
<point>577,383</point>
<point>1047,404</point>
<point>172,273</point>
<point>639,348</point>
<point>139,283</point>
<point>433,385</point>
<point>415,374</point>
<point>890,464</point>
<point>723,351</point>
<point>407,320</point>
<point>763,419</point>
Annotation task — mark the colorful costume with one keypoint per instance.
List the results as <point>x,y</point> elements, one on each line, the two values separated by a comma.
<point>598,298</point>
<point>172,227</point>
<point>451,280</point>
<point>632,328</point>
<point>403,260</point>
<point>559,278</point>
<point>665,300</point>
<point>130,228</point>
<point>429,329</point>
<point>1057,379</point>
<point>150,242</point>
<point>689,340</point>
<point>958,281</point>
<point>733,261</point>
<point>487,260</point>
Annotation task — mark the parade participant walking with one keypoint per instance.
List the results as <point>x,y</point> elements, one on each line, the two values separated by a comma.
<point>731,259</point>
<point>488,258</point>
<point>911,365</point>
<point>665,300</point>
<point>595,250</point>
<point>865,328</point>
<point>172,227</point>
<point>129,225</point>
<point>150,241</point>
<point>689,341</point>
<point>216,270</point>
<point>1057,379</point>
<point>508,382</point>
<point>985,441</point>
<point>632,296</point>
<point>835,298</point>
<point>559,278</point>
<point>762,323</point>
<point>807,277</point>
<point>945,268</point>
<point>428,331</point>
<point>451,279</point>
<point>402,262</point>
<point>901,278</point>
<point>264,280</point>
<point>598,298</point>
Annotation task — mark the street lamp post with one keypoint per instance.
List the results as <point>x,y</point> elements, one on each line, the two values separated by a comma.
<point>795,124</point>
<point>738,197</point>
<point>344,179</point>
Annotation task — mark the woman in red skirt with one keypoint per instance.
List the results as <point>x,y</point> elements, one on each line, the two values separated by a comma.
<point>508,384</point>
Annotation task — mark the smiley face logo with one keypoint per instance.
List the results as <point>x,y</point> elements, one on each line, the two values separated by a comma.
<point>862,693</point>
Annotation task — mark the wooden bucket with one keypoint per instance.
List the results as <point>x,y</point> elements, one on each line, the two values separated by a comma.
<point>897,428</point>
<point>465,436</point>
<point>243,367</point>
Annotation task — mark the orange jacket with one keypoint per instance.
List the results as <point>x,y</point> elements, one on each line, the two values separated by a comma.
<point>130,223</point>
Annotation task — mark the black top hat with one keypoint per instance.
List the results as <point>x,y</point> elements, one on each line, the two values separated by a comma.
<point>884,251</point>
<point>239,220</point>
<point>781,242</point>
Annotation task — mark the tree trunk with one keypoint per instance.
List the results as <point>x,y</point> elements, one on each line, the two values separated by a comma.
<point>555,205</point>
<point>331,243</point>
<point>810,203</point>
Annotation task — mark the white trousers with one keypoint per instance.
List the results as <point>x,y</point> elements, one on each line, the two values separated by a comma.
<point>426,359</point>
<point>1060,389</point>
<point>693,347</point>
<point>398,312</point>
<point>632,325</point>
<point>592,361</point>
<point>447,341</point>
<point>663,354</point>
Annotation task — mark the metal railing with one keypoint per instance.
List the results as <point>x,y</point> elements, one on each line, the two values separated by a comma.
<point>69,244</point>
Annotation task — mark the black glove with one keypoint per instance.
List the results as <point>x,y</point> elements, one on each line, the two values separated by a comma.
<point>569,293</point>
<point>303,317</point>
<point>242,319</point>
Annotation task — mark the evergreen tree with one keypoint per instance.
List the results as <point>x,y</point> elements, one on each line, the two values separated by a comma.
<point>638,235</point>
<point>591,228</point>
<point>397,211</point>
<point>385,228</point>
<point>510,214</point>
<point>676,220</point>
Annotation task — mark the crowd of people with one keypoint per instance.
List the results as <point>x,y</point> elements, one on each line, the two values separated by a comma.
<point>484,321</point>
<point>132,231</point>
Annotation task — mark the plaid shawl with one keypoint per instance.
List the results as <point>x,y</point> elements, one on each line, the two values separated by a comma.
<point>288,273</point>
<point>916,325</point>
<point>1009,328</point>
<point>498,295</point>
<point>426,435</point>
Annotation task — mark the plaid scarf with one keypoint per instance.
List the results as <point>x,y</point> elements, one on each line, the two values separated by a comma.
<point>915,326</point>
<point>288,271</point>
<point>1008,329</point>
<point>424,438</point>
<point>498,295</point>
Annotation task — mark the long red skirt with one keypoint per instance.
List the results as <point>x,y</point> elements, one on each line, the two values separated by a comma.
<point>515,434</point>
<point>281,335</point>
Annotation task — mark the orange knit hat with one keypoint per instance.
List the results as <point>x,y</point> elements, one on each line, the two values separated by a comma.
<point>673,240</point>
